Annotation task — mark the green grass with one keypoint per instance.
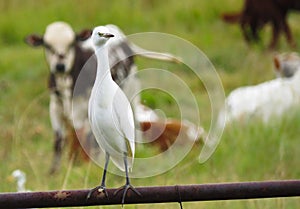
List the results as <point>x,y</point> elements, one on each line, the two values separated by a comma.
<point>247,152</point>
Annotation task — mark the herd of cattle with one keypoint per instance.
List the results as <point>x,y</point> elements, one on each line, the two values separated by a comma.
<point>72,65</point>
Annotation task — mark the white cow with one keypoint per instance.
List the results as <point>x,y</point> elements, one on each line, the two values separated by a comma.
<point>271,98</point>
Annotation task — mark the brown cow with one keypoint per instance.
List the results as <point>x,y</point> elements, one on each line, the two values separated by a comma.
<point>255,14</point>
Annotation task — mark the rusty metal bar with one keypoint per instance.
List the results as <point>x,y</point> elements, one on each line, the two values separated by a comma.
<point>164,194</point>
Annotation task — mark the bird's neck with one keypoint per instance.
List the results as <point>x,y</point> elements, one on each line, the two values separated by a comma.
<point>103,69</point>
<point>21,186</point>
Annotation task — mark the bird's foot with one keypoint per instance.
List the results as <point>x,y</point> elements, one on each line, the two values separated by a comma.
<point>100,189</point>
<point>126,187</point>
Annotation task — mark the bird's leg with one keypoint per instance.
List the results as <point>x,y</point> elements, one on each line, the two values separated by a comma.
<point>127,186</point>
<point>101,187</point>
<point>179,197</point>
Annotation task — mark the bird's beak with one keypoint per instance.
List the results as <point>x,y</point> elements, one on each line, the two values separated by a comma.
<point>106,35</point>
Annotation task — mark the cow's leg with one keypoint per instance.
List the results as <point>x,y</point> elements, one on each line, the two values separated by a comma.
<point>59,128</point>
<point>80,144</point>
<point>58,145</point>
<point>279,24</point>
<point>275,34</point>
<point>288,34</point>
<point>244,26</point>
<point>254,27</point>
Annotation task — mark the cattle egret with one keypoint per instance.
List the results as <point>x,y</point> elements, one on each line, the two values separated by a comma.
<point>110,115</point>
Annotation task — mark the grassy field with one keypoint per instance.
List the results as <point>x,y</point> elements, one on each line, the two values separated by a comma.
<point>247,152</point>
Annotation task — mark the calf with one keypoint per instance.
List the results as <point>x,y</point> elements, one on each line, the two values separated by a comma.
<point>67,54</point>
<point>271,98</point>
<point>164,133</point>
<point>65,58</point>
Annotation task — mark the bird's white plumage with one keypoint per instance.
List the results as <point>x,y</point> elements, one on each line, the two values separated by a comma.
<point>110,113</point>
<point>20,177</point>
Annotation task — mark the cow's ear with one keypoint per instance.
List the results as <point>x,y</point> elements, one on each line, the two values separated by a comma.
<point>84,35</point>
<point>276,62</point>
<point>34,40</point>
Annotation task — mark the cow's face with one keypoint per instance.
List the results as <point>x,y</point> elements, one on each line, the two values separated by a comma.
<point>59,42</point>
<point>286,64</point>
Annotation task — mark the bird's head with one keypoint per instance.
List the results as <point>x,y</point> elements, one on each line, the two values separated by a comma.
<point>18,175</point>
<point>100,36</point>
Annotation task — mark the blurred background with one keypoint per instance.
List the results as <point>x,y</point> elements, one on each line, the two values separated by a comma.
<point>247,152</point>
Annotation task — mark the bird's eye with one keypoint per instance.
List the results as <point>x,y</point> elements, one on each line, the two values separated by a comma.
<point>100,34</point>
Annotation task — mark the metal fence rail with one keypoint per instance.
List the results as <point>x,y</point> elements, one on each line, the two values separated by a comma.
<point>164,194</point>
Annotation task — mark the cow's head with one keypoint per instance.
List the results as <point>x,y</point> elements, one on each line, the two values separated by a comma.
<point>286,64</point>
<point>59,42</point>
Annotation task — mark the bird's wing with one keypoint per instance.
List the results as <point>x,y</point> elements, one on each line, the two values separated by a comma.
<point>107,137</point>
<point>124,116</point>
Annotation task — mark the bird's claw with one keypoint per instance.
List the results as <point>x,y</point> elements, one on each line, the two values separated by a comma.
<point>126,187</point>
<point>100,189</point>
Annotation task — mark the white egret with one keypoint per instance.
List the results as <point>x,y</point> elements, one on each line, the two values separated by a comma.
<point>20,177</point>
<point>110,115</point>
